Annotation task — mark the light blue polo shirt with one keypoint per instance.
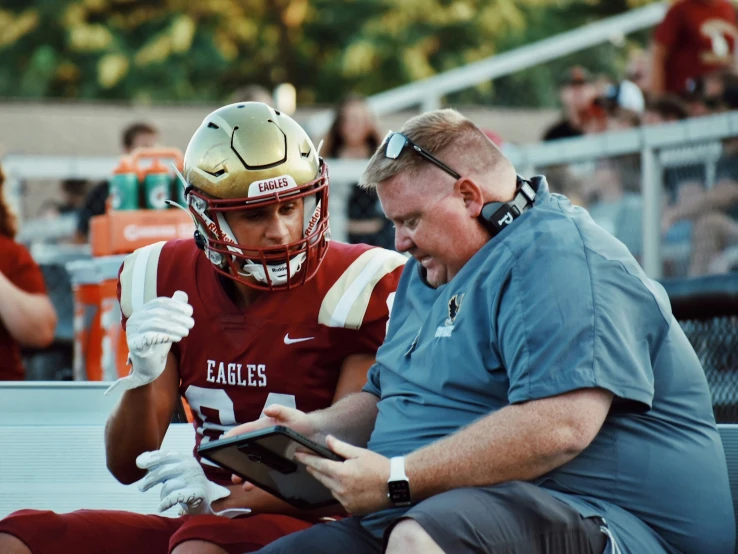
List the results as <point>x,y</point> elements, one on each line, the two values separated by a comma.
<point>550,305</point>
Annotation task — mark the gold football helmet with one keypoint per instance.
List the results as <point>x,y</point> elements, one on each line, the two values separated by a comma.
<point>247,156</point>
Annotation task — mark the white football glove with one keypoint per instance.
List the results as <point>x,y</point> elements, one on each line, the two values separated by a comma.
<point>183,482</point>
<point>150,332</point>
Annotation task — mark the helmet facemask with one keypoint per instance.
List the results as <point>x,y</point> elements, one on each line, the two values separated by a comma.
<point>249,156</point>
<point>281,267</point>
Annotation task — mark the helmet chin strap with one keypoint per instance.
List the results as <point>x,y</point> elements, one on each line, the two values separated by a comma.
<point>277,273</point>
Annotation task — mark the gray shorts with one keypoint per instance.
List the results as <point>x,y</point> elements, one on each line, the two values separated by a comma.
<point>512,518</point>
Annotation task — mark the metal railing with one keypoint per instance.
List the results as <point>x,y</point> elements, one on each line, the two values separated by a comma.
<point>658,147</point>
<point>427,93</point>
<point>655,146</point>
<point>19,168</point>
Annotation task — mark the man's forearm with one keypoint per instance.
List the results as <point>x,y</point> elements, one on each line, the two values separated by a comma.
<point>139,422</point>
<point>658,79</point>
<point>519,442</point>
<point>131,429</point>
<point>719,198</point>
<point>29,318</point>
<point>350,419</point>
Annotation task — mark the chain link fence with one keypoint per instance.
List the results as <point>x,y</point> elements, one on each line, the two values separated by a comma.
<point>707,310</point>
<point>716,342</point>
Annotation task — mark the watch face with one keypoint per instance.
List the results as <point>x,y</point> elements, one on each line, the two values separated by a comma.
<point>399,493</point>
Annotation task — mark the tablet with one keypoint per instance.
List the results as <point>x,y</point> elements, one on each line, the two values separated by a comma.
<point>266,458</point>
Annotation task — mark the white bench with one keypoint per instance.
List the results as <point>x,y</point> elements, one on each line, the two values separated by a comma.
<point>52,454</point>
<point>62,468</point>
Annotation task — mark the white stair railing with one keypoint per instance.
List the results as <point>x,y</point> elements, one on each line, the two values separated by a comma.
<point>428,92</point>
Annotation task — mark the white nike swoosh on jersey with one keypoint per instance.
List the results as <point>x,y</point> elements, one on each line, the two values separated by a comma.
<point>288,340</point>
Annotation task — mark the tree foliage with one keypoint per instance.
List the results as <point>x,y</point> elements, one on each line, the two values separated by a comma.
<point>193,51</point>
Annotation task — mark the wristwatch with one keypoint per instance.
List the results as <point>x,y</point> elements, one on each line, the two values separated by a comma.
<point>398,486</point>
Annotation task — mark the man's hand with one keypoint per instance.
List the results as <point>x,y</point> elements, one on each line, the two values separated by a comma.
<point>150,332</point>
<point>274,414</point>
<point>277,414</point>
<point>359,483</point>
<point>183,482</point>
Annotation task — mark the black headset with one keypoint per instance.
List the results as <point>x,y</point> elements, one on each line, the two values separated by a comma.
<point>496,216</point>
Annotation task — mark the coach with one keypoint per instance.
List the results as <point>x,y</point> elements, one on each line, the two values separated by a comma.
<point>534,393</point>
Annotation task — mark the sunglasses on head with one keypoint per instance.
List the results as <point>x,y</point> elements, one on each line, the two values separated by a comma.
<point>395,143</point>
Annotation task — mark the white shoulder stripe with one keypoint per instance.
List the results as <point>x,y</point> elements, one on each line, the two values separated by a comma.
<point>348,299</point>
<point>341,312</point>
<point>138,278</point>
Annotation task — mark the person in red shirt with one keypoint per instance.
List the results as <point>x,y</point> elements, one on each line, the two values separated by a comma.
<point>27,317</point>
<point>695,38</point>
<point>259,308</point>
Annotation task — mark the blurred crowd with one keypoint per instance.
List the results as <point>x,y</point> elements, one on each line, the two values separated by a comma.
<point>690,71</point>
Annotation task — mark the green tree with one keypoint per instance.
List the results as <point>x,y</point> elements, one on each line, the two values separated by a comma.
<point>536,86</point>
<point>187,51</point>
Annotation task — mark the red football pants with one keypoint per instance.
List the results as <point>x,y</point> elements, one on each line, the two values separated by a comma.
<point>117,532</point>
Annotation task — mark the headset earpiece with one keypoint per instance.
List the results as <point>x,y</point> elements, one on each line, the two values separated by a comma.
<point>495,216</point>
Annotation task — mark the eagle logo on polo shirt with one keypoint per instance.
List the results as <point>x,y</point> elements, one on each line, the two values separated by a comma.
<point>454,305</point>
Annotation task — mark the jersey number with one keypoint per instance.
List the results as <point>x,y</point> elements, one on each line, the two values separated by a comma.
<point>214,408</point>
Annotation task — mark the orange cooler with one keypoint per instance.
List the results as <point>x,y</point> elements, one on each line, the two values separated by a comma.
<point>87,330</point>
<point>114,352</point>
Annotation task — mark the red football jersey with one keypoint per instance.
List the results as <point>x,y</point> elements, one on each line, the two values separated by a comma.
<point>699,38</point>
<point>289,342</point>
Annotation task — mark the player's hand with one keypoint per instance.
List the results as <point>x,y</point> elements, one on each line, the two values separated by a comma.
<point>359,483</point>
<point>150,332</point>
<point>183,483</point>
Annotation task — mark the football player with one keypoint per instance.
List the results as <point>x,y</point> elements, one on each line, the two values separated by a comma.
<point>259,307</point>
